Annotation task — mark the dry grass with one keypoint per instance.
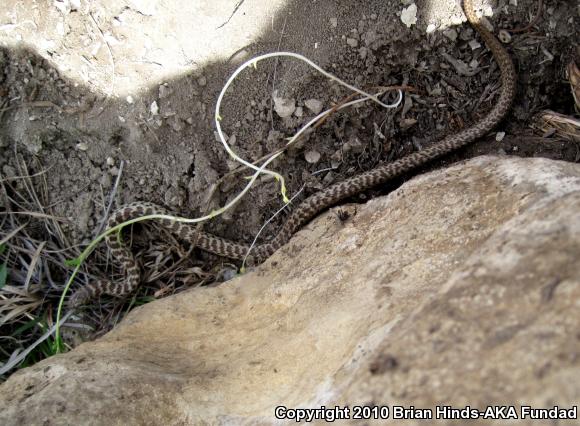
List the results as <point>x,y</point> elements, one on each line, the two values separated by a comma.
<point>33,256</point>
<point>35,263</point>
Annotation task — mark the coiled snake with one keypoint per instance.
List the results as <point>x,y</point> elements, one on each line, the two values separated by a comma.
<point>311,206</point>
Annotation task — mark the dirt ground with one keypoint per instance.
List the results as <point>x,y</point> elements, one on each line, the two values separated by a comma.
<point>93,91</point>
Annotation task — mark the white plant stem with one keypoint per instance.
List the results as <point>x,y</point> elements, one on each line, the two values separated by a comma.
<point>252,179</point>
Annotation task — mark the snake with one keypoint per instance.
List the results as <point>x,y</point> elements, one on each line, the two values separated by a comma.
<point>314,204</point>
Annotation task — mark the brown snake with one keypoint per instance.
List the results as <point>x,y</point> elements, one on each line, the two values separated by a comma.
<point>311,206</point>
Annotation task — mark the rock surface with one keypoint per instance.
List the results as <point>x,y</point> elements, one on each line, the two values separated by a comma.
<point>459,288</point>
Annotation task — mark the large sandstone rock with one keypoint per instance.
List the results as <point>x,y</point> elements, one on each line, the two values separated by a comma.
<point>460,288</point>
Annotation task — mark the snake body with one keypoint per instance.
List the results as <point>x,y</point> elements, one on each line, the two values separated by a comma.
<point>312,205</point>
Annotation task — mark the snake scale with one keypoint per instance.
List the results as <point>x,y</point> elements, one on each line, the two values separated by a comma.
<point>312,205</point>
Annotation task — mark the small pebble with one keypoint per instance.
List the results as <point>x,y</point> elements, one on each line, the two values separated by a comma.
<point>499,136</point>
<point>81,146</point>
<point>314,105</point>
<point>328,178</point>
<point>451,34</point>
<point>352,42</point>
<point>129,99</point>
<point>226,274</point>
<point>164,91</point>
<point>283,107</point>
<point>407,122</point>
<point>240,56</point>
<point>312,156</point>
<point>154,108</point>
<point>336,159</point>
<point>110,161</point>
<point>333,22</point>
<point>474,44</point>
<point>409,16</point>
<point>488,11</point>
